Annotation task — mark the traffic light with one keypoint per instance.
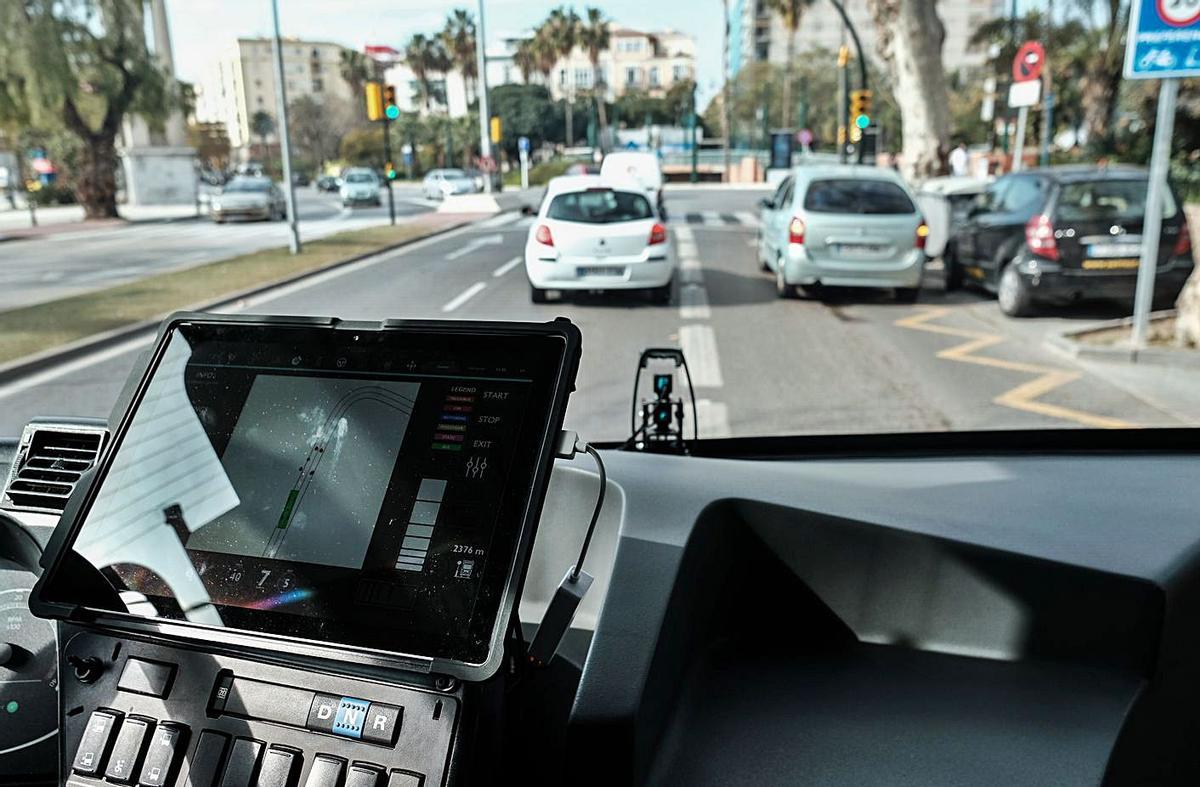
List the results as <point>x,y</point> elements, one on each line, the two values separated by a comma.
<point>389,169</point>
<point>390,110</point>
<point>860,109</point>
<point>495,129</point>
<point>374,101</point>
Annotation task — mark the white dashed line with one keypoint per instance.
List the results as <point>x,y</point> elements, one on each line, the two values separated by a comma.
<point>506,267</point>
<point>747,218</point>
<point>693,302</point>
<point>712,218</point>
<point>699,345</point>
<point>465,296</point>
<point>713,418</point>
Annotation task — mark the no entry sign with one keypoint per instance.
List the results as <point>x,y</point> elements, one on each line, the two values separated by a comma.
<point>1027,65</point>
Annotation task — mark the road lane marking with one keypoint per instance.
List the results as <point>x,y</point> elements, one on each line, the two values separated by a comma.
<point>1023,397</point>
<point>713,418</point>
<point>712,218</point>
<point>693,302</point>
<point>747,218</point>
<point>699,345</point>
<point>464,296</point>
<point>506,267</point>
<point>501,220</point>
<point>475,244</point>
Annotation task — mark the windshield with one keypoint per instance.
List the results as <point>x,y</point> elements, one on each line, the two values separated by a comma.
<point>835,242</point>
<point>248,186</point>
<point>601,206</point>
<point>856,196</point>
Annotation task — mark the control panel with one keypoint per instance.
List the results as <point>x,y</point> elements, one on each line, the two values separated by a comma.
<point>153,715</point>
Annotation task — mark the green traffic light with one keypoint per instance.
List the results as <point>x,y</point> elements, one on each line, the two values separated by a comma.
<point>12,707</point>
<point>391,174</point>
<point>392,112</point>
<point>862,121</point>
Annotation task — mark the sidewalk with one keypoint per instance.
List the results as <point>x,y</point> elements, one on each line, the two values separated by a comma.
<point>15,224</point>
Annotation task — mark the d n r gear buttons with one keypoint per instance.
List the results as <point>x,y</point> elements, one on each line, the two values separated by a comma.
<point>373,722</point>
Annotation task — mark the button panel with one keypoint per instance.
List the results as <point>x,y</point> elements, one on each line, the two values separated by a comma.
<point>127,751</point>
<point>97,737</point>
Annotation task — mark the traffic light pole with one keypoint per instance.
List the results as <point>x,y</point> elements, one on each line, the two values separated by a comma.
<point>285,150</point>
<point>387,176</point>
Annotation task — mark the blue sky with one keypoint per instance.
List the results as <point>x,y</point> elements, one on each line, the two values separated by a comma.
<point>199,27</point>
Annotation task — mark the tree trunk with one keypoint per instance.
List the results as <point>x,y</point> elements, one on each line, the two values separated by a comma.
<point>785,120</point>
<point>909,37</point>
<point>1187,316</point>
<point>601,110</point>
<point>1098,92</point>
<point>96,180</point>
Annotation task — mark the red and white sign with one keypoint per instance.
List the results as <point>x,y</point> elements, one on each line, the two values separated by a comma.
<point>1027,65</point>
<point>1179,13</point>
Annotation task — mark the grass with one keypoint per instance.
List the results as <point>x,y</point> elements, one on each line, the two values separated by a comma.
<point>33,329</point>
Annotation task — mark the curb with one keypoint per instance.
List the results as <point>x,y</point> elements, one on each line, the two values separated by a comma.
<point>128,223</point>
<point>31,364</point>
<point>1067,343</point>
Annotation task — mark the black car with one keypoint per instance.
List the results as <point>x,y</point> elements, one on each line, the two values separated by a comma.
<point>327,183</point>
<point>1065,234</point>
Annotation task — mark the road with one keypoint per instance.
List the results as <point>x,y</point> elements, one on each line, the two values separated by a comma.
<point>856,362</point>
<point>42,269</point>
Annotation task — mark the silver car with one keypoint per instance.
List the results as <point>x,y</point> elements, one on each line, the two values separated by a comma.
<point>248,197</point>
<point>842,226</point>
<point>442,183</point>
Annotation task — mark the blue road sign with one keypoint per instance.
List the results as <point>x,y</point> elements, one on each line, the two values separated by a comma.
<point>1164,39</point>
<point>523,144</point>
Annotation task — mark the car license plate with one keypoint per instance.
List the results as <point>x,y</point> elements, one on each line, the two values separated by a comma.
<point>1108,251</point>
<point>859,248</point>
<point>1125,263</point>
<point>600,270</point>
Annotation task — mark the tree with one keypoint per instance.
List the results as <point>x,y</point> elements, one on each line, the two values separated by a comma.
<point>458,41</point>
<point>211,144</point>
<point>593,36</point>
<point>317,127</point>
<point>525,58</point>
<point>561,34</point>
<point>524,111</point>
<point>262,125</point>
<point>1101,78</point>
<point>425,57</point>
<point>357,69</point>
<point>789,12</point>
<point>909,37</point>
<point>82,66</point>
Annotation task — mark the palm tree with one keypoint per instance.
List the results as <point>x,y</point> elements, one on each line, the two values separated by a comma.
<point>262,125</point>
<point>425,57</point>
<point>526,59</point>
<point>357,69</point>
<point>593,36</point>
<point>458,40</point>
<point>561,30</point>
<point>789,12</point>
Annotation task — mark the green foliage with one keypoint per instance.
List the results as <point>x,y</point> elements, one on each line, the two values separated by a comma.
<point>458,40</point>
<point>426,56</point>
<point>525,110</point>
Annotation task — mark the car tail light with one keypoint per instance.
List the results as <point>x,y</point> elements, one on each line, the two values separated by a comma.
<point>1183,245</point>
<point>658,234</point>
<point>543,235</point>
<point>922,235</point>
<point>796,230</point>
<point>1039,237</point>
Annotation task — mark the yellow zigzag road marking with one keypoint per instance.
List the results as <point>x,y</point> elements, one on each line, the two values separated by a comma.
<point>1024,396</point>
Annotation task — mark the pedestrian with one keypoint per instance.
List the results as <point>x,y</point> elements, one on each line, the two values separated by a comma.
<point>960,162</point>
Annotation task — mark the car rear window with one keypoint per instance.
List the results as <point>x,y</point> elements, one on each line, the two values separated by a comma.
<point>360,177</point>
<point>599,206</point>
<point>248,185</point>
<point>846,195</point>
<point>1108,200</point>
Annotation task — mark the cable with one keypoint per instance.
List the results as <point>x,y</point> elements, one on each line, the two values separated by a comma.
<point>587,538</point>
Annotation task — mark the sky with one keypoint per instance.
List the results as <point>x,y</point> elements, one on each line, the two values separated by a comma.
<point>200,28</point>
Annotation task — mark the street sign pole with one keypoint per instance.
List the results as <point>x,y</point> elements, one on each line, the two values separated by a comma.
<point>1160,157</point>
<point>485,137</point>
<point>387,158</point>
<point>285,149</point>
<point>1019,142</point>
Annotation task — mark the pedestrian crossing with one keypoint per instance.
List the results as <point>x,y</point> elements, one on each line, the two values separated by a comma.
<point>713,218</point>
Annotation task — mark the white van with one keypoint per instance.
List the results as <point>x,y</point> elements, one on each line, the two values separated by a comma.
<point>644,168</point>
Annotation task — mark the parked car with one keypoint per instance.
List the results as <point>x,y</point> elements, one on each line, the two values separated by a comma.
<point>328,183</point>
<point>360,186</point>
<point>945,203</point>
<point>246,198</point>
<point>842,226</point>
<point>643,168</point>
<point>592,233</point>
<point>582,169</point>
<point>442,183</point>
<point>300,179</point>
<point>1065,234</point>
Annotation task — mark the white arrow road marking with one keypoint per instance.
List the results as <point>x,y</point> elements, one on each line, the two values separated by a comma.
<point>464,296</point>
<point>508,266</point>
<point>472,245</point>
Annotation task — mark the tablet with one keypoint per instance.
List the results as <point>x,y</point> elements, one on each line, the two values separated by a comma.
<point>356,491</point>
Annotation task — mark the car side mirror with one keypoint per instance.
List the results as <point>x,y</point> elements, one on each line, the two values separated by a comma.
<point>527,210</point>
<point>766,203</point>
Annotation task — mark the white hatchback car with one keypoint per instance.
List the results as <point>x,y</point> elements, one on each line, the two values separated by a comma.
<point>592,233</point>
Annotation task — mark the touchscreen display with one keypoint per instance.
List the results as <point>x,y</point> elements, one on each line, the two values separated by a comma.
<point>363,489</point>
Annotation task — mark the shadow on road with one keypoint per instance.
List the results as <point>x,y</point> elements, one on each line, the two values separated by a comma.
<point>735,289</point>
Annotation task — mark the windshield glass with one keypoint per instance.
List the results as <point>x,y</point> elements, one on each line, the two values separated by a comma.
<point>856,196</point>
<point>599,207</point>
<point>835,243</point>
<point>1108,200</point>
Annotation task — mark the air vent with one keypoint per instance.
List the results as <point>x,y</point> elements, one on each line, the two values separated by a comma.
<point>49,462</point>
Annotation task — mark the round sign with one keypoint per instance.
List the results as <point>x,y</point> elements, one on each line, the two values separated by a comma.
<point>1178,13</point>
<point>804,136</point>
<point>1027,65</point>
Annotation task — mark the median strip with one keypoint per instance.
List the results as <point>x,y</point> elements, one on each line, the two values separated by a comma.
<point>34,336</point>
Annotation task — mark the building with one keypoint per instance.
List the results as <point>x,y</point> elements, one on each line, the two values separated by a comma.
<point>634,61</point>
<point>240,82</point>
<point>758,35</point>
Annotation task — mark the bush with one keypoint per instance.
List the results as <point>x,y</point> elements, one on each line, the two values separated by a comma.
<point>54,194</point>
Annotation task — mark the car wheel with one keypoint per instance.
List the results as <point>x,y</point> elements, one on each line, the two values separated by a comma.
<point>762,261</point>
<point>1013,293</point>
<point>952,274</point>
<point>538,295</point>
<point>661,295</point>
<point>782,288</point>
<point>907,294</point>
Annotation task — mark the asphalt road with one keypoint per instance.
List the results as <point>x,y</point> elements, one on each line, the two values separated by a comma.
<point>856,362</point>
<point>45,268</point>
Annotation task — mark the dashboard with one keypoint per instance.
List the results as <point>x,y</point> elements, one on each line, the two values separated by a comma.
<point>1013,608</point>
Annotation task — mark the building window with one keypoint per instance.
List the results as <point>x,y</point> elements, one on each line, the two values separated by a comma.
<point>601,76</point>
<point>316,54</point>
<point>631,77</point>
<point>652,76</point>
<point>258,83</point>
<point>679,73</point>
<point>507,77</point>
<point>562,77</point>
<point>317,86</point>
<point>583,77</point>
<point>259,99</point>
